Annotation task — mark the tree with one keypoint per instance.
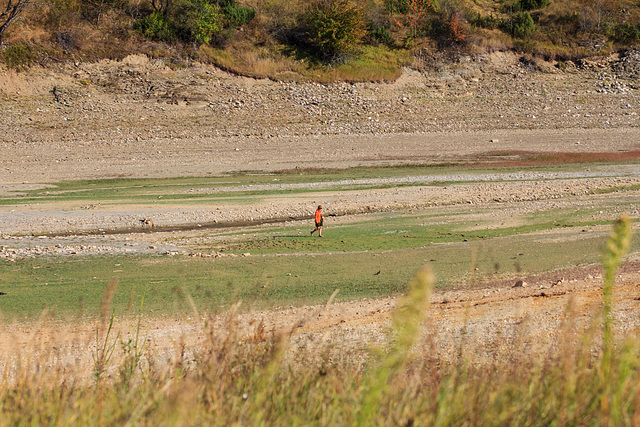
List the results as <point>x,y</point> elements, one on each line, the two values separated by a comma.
<point>93,10</point>
<point>601,9</point>
<point>412,13</point>
<point>11,12</point>
<point>523,25</point>
<point>457,31</point>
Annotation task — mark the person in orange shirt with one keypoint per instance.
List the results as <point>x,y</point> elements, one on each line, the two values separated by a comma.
<point>319,220</point>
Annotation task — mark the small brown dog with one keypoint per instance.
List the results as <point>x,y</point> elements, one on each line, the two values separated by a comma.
<point>146,222</point>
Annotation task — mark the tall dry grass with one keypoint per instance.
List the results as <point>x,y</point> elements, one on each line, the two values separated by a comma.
<point>586,377</point>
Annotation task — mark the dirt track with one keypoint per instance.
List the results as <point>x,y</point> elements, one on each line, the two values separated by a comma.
<point>140,119</point>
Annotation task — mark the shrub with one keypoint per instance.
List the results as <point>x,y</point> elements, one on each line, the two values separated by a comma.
<point>447,30</point>
<point>156,27</point>
<point>382,35</point>
<point>405,6</point>
<point>236,15</point>
<point>397,6</point>
<point>523,25</point>
<point>188,20</point>
<point>457,31</point>
<point>489,22</point>
<point>531,4</point>
<point>520,25</point>
<point>197,20</point>
<point>626,33</point>
<point>413,19</point>
<point>333,27</point>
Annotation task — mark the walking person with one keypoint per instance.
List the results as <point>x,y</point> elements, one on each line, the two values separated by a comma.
<point>319,218</point>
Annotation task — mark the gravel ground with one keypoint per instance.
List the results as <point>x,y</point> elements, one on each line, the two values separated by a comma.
<point>139,118</point>
<point>486,189</point>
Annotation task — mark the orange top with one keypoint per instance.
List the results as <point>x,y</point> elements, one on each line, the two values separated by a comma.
<point>318,215</point>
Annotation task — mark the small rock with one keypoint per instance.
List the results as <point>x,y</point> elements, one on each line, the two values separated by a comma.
<point>520,284</point>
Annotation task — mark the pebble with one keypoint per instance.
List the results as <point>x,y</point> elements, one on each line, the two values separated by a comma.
<point>520,284</point>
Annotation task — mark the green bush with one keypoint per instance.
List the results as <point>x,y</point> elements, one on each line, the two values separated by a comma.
<point>382,35</point>
<point>523,25</point>
<point>333,27</point>
<point>520,25</point>
<point>197,20</point>
<point>489,22</point>
<point>531,4</point>
<point>156,27</point>
<point>187,20</point>
<point>237,15</point>
<point>626,33</point>
<point>397,6</point>
<point>406,6</point>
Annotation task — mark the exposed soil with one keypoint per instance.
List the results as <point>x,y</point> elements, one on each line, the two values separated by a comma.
<point>139,118</point>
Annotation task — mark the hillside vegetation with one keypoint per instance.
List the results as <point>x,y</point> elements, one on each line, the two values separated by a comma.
<point>356,40</point>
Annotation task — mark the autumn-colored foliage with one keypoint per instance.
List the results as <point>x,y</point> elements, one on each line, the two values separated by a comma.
<point>415,12</point>
<point>457,29</point>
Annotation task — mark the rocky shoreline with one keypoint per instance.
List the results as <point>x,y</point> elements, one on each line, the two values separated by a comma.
<point>139,118</point>
<point>142,100</point>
